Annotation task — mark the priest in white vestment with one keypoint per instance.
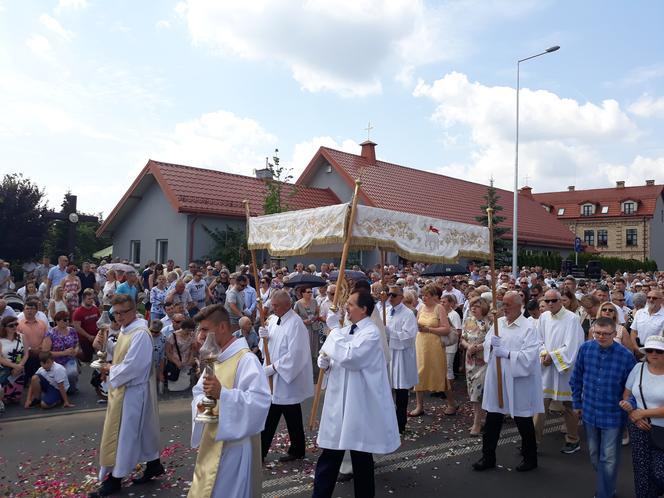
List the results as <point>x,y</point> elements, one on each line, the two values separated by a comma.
<point>131,426</point>
<point>229,462</point>
<point>561,337</point>
<point>518,348</point>
<point>401,331</point>
<point>358,411</point>
<point>292,374</point>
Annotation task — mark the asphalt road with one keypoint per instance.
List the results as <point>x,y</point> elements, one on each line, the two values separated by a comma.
<point>55,454</point>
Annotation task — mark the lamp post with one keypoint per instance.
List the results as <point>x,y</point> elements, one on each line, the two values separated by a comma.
<point>515,215</point>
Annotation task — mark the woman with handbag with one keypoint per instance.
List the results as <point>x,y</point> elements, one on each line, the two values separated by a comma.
<point>646,384</point>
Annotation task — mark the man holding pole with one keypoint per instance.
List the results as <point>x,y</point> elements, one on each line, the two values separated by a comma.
<point>518,347</point>
<point>291,373</point>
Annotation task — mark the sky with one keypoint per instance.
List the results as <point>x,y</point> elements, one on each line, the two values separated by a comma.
<point>91,90</point>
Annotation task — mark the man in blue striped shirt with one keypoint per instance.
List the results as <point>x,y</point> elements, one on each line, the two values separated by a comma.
<point>597,382</point>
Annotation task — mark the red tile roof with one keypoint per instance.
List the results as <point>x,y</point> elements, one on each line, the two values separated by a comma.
<point>645,195</point>
<point>400,188</point>
<point>216,193</point>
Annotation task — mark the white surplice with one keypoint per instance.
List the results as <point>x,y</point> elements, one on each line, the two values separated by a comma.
<point>138,440</point>
<point>358,412</point>
<point>333,321</point>
<point>290,353</point>
<point>521,376</point>
<point>401,330</point>
<point>561,336</point>
<point>242,413</point>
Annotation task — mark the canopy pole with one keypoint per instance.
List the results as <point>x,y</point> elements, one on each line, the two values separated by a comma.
<point>383,294</point>
<point>334,307</point>
<point>259,299</point>
<point>494,306</point>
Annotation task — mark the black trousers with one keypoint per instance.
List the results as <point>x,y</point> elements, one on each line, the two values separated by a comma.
<point>327,471</point>
<point>293,416</point>
<point>402,408</point>
<point>492,427</point>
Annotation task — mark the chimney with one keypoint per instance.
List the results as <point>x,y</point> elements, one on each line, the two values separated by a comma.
<point>620,184</point>
<point>570,188</point>
<point>263,174</point>
<point>650,183</point>
<point>369,151</point>
<point>526,191</point>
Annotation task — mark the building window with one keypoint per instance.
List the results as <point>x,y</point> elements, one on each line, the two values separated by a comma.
<point>605,209</point>
<point>561,211</point>
<point>161,255</point>
<point>602,238</point>
<point>629,207</point>
<point>587,210</point>
<point>631,239</point>
<point>135,251</point>
<point>589,237</point>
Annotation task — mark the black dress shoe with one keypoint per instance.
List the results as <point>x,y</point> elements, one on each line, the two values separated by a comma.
<point>344,477</point>
<point>484,464</point>
<point>525,466</point>
<point>110,486</point>
<point>289,458</point>
<point>150,473</point>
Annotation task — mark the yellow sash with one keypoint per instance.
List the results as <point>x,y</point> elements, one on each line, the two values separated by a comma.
<point>111,434</point>
<point>210,450</point>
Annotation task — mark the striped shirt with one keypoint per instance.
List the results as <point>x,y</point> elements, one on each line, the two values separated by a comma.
<point>598,381</point>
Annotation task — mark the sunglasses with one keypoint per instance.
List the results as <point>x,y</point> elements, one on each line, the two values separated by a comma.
<point>392,294</point>
<point>656,351</point>
<point>306,292</point>
<point>607,310</point>
<point>549,301</point>
<point>652,298</point>
<point>15,324</point>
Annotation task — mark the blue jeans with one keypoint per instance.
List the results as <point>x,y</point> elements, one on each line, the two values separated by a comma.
<point>604,448</point>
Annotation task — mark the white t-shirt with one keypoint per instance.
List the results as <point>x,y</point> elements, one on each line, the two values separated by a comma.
<point>455,320</point>
<point>646,324</point>
<point>653,389</point>
<point>56,375</point>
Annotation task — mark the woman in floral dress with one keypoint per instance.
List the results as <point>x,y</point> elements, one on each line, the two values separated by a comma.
<point>474,330</point>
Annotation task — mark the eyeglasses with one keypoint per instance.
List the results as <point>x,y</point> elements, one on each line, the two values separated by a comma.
<point>122,312</point>
<point>549,301</point>
<point>603,334</point>
<point>306,291</point>
<point>608,310</point>
<point>656,351</point>
<point>392,294</point>
<point>653,298</point>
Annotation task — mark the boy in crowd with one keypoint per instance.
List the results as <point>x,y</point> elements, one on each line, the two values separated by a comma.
<point>49,385</point>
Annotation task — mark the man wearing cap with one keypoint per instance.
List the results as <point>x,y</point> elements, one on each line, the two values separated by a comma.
<point>401,332</point>
<point>649,320</point>
<point>291,372</point>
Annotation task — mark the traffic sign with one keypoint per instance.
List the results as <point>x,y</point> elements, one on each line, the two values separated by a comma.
<point>577,245</point>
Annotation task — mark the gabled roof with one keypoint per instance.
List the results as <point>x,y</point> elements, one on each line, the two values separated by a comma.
<point>210,192</point>
<point>645,196</point>
<point>400,188</point>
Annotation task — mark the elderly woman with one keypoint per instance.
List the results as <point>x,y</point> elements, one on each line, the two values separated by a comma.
<point>62,342</point>
<point>474,330</point>
<point>12,362</point>
<point>410,300</point>
<point>645,384</point>
<point>432,324</point>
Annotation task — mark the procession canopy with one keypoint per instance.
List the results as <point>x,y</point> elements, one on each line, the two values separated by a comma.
<point>322,231</point>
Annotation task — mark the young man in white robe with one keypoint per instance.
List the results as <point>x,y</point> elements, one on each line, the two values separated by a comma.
<point>292,374</point>
<point>561,336</point>
<point>229,459</point>
<point>358,412</point>
<point>518,349</point>
<point>131,426</point>
<point>401,331</point>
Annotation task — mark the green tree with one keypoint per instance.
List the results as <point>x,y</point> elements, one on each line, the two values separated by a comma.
<point>500,246</point>
<point>22,207</point>
<point>230,246</point>
<point>274,198</point>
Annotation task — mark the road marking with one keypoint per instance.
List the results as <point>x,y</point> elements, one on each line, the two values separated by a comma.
<point>402,460</point>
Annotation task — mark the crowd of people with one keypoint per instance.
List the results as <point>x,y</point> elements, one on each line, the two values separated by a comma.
<point>593,350</point>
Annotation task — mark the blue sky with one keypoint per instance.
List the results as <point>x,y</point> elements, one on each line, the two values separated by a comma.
<point>91,90</point>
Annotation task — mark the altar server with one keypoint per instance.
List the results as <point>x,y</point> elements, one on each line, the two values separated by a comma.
<point>131,426</point>
<point>229,462</point>
<point>561,336</point>
<point>401,331</point>
<point>358,412</point>
<point>291,372</point>
<point>518,346</point>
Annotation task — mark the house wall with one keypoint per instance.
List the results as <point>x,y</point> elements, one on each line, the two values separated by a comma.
<point>154,218</point>
<point>657,234</point>
<point>322,179</point>
<point>616,231</point>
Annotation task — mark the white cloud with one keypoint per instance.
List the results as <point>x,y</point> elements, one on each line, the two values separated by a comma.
<point>163,24</point>
<point>559,137</point>
<point>304,151</point>
<point>345,46</point>
<point>648,107</point>
<point>54,25</point>
<point>39,45</point>
<point>65,5</point>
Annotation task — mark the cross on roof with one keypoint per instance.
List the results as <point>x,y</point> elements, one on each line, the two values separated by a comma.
<point>368,130</point>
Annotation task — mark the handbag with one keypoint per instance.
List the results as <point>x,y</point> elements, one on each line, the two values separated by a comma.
<point>172,371</point>
<point>656,431</point>
<point>450,339</point>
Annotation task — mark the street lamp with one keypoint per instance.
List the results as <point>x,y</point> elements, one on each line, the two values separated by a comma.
<point>515,215</point>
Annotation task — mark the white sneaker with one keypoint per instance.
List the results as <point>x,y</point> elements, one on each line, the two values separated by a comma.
<point>2,406</point>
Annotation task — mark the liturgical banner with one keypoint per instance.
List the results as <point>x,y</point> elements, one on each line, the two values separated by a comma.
<point>322,231</point>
